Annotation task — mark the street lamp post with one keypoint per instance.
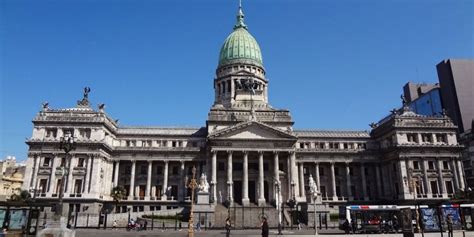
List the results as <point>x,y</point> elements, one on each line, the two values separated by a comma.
<point>192,185</point>
<point>58,226</point>
<point>67,144</point>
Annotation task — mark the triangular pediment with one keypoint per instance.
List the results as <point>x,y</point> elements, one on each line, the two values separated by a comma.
<point>251,130</point>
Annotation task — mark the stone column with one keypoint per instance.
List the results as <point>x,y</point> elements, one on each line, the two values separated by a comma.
<point>402,172</point>
<point>294,174</point>
<point>364,184</point>
<point>148,180</point>
<point>379,181</point>
<point>165,182</point>
<point>214,176</point>
<point>261,198</point>
<point>116,175</point>
<point>348,182</point>
<point>461,175</point>
<point>455,174</point>
<point>245,182</point>
<point>333,182</point>
<point>88,174</point>
<point>426,180</point>
<point>182,185</point>
<point>442,185</point>
<point>35,172</point>
<point>131,192</point>
<point>230,195</point>
<point>301,180</point>
<point>72,163</point>
<point>316,175</point>
<point>276,171</point>
<point>52,180</point>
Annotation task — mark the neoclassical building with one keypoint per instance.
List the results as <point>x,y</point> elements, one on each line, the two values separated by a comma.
<point>245,148</point>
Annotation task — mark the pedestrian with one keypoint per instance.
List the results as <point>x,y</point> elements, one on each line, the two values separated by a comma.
<point>198,226</point>
<point>346,226</point>
<point>354,226</point>
<point>264,227</point>
<point>395,223</point>
<point>114,225</point>
<point>298,223</point>
<point>145,225</point>
<point>228,225</point>
<point>450,225</point>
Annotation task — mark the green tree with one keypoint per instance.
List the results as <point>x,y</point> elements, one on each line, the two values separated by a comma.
<point>118,193</point>
<point>22,196</point>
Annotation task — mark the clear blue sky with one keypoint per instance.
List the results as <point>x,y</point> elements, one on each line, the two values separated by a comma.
<point>334,64</point>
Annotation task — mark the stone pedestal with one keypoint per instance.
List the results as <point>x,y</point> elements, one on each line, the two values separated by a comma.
<point>57,229</point>
<point>261,202</point>
<point>202,198</point>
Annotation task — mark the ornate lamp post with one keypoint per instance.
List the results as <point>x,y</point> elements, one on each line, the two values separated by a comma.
<point>67,144</point>
<point>192,185</point>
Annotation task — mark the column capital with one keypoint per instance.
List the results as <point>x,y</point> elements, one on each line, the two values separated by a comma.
<point>316,162</point>
<point>347,163</point>
<point>214,152</point>
<point>245,152</point>
<point>229,152</point>
<point>276,153</point>
<point>260,152</point>
<point>133,161</point>
<point>291,152</point>
<point>166,162</point>
<point>150,161</point>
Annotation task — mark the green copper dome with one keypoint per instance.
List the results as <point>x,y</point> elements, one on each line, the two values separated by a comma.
<point>240,45</point>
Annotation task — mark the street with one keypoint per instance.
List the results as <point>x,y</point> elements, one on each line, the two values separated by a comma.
<point>252,233</point>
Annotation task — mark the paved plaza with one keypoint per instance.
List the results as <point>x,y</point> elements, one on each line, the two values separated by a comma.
<point>183,233</point>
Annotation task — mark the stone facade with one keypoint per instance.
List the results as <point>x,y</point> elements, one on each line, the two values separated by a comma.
<point>246,148</point>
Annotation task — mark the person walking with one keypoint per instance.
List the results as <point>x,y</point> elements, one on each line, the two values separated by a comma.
<point>264,227</point>
<point>450,225</point>
<point>227,227</point>
<point>114,225</point>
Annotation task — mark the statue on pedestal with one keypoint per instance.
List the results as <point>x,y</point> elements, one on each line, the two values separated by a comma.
<point>203,186</point>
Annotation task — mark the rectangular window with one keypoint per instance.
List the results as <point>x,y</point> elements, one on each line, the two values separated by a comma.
<point>85,133</point>
<point>412,137</point>
<point>78,186</point>
<point>431,165</point>
<point>80,162</point>
<point>416,165</point>
<point>445,165</point>
<point>43,185</point>
<point>51,132</point>
<point>449,187</point>
<point>434,187</point>
<point>426,138</point>
<point>46,162</point>
<point>321,171</point>
<point>441,138</point>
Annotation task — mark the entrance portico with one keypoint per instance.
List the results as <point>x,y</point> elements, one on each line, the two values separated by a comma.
<point>243,154</point>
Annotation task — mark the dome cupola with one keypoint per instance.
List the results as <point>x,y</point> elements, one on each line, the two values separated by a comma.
<point>240,46</point>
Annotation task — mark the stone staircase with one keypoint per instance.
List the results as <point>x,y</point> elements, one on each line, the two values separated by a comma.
<point>246,217</point>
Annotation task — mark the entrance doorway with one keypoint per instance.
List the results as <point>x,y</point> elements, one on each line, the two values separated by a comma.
<point>252,193</point>
<point>238,191</point>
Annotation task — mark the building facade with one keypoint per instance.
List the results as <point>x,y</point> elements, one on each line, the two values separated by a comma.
<point>11,177</point>
<point>246,149</point>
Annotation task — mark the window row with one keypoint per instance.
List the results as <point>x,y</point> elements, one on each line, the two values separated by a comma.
<point>332,145</point>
